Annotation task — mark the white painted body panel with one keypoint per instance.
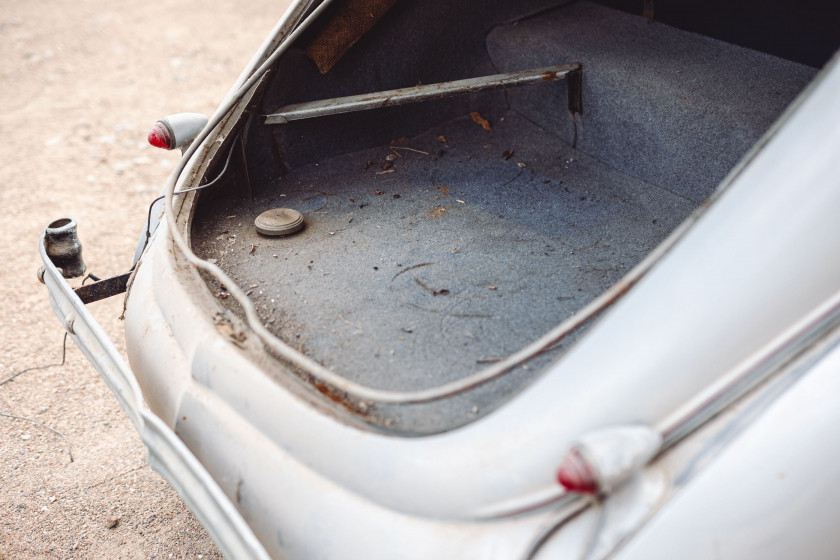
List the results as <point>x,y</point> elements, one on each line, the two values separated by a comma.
<point>774,493</point>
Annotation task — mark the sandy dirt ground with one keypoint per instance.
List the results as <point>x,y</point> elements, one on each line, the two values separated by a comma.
<point>81,83</point>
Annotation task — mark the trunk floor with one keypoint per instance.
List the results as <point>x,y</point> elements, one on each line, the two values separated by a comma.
<point>415,277</point>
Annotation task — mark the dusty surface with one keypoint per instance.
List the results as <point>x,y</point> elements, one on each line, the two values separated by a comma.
<point>80,85</point>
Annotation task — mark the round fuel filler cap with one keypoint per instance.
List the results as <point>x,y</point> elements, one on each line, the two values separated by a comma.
<point>279,221</point>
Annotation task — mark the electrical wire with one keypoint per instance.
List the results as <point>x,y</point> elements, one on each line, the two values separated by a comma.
<point>198,188</point>
<point>61,363</point>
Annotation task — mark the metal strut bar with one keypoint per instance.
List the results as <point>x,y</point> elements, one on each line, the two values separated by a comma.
<point>103,288</point>
<point>391,98</point>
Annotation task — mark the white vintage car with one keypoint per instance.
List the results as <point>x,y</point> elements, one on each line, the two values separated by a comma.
<point>530,279</point>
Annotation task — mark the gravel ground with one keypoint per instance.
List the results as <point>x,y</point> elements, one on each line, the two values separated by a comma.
<point>81,83</point>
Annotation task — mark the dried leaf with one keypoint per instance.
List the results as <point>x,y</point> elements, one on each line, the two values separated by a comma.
<point>481,121</point>
<point>441,138</point>
<point>507,154</point>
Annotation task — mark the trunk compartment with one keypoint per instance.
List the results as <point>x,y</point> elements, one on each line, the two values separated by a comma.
<point>434,246</point>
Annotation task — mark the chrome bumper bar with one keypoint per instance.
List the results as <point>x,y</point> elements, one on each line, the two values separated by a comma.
<point>166,453</point>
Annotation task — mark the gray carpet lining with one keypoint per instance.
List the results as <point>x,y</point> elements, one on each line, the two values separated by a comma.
<point>470,244</point>
<point>410,279</point>
<point>670,107</point>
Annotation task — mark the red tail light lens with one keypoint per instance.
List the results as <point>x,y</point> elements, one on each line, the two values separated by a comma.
<point>576,475</point>
<point>159,137</point>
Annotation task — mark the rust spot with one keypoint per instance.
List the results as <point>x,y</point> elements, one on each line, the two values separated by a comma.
<point>325,390</point>
<point>362,409</point>
<point>437,212</point>
<point>348,25</point>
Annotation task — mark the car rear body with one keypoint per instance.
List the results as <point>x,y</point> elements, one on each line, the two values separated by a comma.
<point>643,244</point>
